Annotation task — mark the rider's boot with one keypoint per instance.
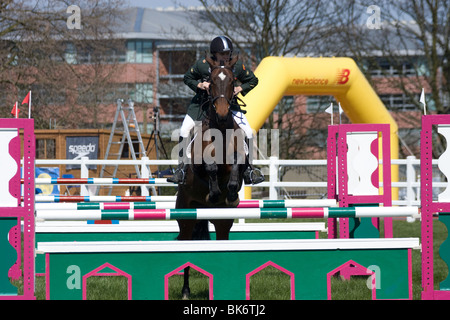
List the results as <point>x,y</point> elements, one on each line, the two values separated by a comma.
<point>179,176</point>
<point>252,175</point>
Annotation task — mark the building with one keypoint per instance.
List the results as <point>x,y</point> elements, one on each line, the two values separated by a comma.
<point>160,45</point>
<point>166,43</point>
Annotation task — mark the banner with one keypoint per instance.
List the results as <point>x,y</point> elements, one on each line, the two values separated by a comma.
<point>78,147</point>
<point>47,172</point>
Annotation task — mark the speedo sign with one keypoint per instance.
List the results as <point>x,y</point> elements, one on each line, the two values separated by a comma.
<point>78,147</point>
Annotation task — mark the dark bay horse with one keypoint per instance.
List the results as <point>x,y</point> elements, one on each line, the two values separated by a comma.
<point>215,174</point>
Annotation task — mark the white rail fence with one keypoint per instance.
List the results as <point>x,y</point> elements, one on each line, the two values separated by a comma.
<point>408,186</point>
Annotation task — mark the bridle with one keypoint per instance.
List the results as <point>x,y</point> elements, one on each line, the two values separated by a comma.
<point>213,99</point>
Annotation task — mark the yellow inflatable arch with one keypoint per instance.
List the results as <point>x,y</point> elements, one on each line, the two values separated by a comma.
<point>339,77</point>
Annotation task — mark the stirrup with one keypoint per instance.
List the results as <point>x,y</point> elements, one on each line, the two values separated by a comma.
<point>179,176</point>
<point>253,176</point>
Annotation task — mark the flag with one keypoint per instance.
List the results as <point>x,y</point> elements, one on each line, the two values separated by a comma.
<point>15,110</point>
<point>28,100</point>
<point>330,111</point>
<point>422,101</point>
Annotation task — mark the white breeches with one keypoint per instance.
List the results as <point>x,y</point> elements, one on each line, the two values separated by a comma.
<point>186,126</point>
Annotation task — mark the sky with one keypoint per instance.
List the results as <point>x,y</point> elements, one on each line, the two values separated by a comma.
<point>162,3</point>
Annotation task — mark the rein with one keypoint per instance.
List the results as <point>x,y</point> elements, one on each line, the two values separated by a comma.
<point>214,99</point>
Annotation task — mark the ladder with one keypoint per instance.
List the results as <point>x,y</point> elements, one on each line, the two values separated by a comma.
<point>125,122</point>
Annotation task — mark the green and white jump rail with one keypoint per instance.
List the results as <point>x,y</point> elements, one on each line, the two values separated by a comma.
<point>171,205</point>
<point>64,198</point>
<point>227,213</point>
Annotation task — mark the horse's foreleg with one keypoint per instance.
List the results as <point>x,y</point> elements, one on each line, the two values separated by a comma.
<point>223,228</point>
<point>185,291</point>
<point>233,186</point>
<point>234,183</point>
<point>214,190</point>
<point>186,229</point>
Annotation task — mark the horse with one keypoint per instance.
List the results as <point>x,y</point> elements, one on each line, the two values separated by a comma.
<point>215,172</point>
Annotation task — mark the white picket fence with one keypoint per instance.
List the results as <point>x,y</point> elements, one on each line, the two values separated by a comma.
<point>409,189</point>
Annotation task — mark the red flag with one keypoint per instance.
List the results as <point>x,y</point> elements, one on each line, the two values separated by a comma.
<point>27,98</point>
<point>15,111</point>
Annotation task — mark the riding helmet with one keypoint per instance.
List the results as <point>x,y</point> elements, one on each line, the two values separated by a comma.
<point>221,44</point>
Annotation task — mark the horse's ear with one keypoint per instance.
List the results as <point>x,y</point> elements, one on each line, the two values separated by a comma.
<point>209,59</point>
<point>234,60</point>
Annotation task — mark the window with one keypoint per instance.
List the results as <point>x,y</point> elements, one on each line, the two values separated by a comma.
<point>285,105</point>
<point>316,104</point>
<point>176,62</point>
<point>401,102</point>
<point>70,53</point>
<point>138,92</point>
<point>397,102</point>
<point>45,149</point>
<point>411,137</point>
<point>141,92</point>
<point>45,94</point>
<point>139,51</point>
<point>126,154</point>
<point>94,53</point>
<point>316,138</point>
<point>395,67</point>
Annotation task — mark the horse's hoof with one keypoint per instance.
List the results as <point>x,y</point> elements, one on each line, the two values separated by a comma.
<point>185,293</point>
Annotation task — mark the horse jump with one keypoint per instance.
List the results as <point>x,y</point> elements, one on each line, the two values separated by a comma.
<point>432,208</point>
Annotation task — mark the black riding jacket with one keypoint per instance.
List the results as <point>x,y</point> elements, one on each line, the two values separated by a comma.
<point>201,71</point>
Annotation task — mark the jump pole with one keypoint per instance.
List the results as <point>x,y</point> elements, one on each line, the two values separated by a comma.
<point>171,205</point>
<point>64,198</point>
<point>101,181</point>
<point>226,213</point>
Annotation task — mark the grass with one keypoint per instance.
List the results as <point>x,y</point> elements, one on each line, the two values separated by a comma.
<point>270,283</point>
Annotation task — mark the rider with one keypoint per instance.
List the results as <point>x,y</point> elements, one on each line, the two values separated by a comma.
<point>197,78</point>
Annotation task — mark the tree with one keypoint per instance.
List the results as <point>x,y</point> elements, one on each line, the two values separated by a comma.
<point>410,49</point>
<point>40,42</point>
<point>261,28</point>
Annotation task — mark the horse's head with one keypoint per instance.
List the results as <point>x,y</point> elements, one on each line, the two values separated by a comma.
<point>221,87</point>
